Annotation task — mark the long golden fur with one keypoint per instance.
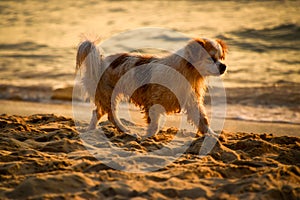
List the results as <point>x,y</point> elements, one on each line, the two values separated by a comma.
<point>198,59</point>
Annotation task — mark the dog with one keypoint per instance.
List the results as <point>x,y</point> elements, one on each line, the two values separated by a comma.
<point>199,58</point>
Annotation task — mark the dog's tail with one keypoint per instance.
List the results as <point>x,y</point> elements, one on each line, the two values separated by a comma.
<point>89,63</point>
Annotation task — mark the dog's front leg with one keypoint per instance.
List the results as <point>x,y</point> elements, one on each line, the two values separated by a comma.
<point>197,115</point>
<point>203,126</point>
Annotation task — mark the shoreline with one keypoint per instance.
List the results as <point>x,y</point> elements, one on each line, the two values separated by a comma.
<point>277,94</point>
<point>25,108</point>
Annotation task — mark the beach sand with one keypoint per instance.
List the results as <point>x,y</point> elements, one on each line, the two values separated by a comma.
<point>43,157</point>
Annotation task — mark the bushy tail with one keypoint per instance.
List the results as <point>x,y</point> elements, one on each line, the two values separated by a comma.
<point>89,63</point>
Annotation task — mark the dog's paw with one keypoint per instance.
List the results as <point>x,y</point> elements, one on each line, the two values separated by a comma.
<point>136,136</point>
<point>122,129</point>
<point>151,131</point>
<point>90,128</point>
<point>211,133</point>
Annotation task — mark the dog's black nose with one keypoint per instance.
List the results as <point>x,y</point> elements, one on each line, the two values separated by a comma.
<point>222,68</point>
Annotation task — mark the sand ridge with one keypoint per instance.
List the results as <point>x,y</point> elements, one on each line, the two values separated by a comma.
<point>43,157</point>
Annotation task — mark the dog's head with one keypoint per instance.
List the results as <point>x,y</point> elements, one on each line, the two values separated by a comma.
<point>206,56</point>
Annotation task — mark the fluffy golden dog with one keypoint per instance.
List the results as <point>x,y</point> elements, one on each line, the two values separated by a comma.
<point>198,59</point>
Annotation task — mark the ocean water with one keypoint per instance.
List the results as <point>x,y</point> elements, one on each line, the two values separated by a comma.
<point>38,41</point>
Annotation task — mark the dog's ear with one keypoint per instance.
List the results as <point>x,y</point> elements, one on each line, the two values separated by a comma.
<point>194,50</point>
<point>200,41</point>
<point>224,48</point>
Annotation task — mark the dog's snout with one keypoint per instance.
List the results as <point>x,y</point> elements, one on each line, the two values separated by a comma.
<point>222,68</point>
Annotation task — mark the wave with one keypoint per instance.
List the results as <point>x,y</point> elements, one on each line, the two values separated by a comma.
<point>23,46</point>
<point>27,50</point>
<point>33,56</point>
<point>284,93</point>
<point>36,93</point>
<point>25,93</point>
<point>270,120</point>
<point>170,38</point>
<point>281,37</point>
<point>282,32</point>
<point>30,56</point>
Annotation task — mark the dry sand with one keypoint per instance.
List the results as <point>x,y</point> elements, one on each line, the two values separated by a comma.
<point>43,157</point>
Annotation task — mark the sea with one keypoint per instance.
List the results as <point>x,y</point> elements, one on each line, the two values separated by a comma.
<point>38,42</point>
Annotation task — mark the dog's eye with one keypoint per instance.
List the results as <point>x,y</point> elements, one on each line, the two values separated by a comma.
<point>214,59</point>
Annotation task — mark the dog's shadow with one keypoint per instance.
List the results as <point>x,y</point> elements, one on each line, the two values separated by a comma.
<point>111,131</point>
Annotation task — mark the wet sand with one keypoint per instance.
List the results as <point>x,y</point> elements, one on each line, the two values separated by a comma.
<point>24,108</point>
<point>42,157</point>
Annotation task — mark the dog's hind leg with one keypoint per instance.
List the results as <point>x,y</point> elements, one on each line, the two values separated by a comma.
<point>96,116</point>
<point>113,118</point>
<point>116,122</point>
<point>153,116</point>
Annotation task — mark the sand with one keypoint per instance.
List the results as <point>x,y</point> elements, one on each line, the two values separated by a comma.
<point>43,157</point>
<point>232,124</point>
